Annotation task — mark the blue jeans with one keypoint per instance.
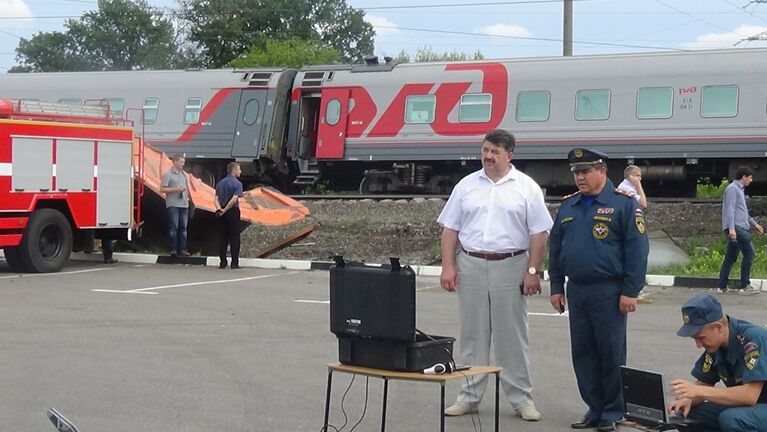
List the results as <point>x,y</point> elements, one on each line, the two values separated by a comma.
<point>715,418</point>
<point>742,244</point>
<point>177,217</point>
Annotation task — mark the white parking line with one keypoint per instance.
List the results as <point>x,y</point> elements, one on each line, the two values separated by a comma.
<point>159,287</point>
<point>25,275</point>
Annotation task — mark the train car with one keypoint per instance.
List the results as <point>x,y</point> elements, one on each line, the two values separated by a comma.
<point>681,116</point>
<point>210,116</point>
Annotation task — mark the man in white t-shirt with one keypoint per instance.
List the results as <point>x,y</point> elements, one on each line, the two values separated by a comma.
<point>632,182</point>
<point>498,221</point>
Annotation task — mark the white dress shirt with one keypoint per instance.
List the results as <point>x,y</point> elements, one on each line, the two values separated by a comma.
<point>496,217</point>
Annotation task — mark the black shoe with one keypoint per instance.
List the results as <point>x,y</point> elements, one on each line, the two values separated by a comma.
<point>584,424</point>
<point>222,265</point>
<point>235,267</point>
<point>110,261</point>
<point>606,427</point>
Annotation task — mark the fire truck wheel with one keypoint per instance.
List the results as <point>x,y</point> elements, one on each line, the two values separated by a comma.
<point>47,242</point>
<point>13,258</point>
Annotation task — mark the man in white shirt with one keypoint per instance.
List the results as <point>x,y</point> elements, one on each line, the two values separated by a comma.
<point>500,219</point>
<point>632,182</point>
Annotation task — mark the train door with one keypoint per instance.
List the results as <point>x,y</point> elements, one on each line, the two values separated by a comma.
<point>250,120</point>
<point>332,131</point>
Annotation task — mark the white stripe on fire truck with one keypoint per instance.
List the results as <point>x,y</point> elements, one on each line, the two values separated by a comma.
<point>5,169</point>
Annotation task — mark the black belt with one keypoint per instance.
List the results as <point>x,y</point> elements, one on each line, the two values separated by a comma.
<point>494,256</point>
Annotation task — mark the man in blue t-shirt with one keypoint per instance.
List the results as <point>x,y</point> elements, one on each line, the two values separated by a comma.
<point>734,351</point>
<point>228,192</point>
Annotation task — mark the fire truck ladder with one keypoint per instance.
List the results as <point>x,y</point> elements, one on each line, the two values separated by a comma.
<point>24,109</point>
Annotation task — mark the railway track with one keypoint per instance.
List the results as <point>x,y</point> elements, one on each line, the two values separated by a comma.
<point>549,199</point>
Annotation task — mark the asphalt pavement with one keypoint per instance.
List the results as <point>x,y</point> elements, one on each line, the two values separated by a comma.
<point>145,347</point>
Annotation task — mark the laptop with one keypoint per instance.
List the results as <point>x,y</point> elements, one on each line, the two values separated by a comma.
<point>644,401</point>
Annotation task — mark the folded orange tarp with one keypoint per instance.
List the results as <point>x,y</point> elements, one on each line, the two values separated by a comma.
<point>260,205</point>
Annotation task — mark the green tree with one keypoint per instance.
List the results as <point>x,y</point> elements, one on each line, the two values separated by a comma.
<point>294,53</point>
<point>120,35</point>
<point>425,54</point>
<point>227,29</point>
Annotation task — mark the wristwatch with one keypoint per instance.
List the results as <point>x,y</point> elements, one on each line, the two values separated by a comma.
<point>533,271</point>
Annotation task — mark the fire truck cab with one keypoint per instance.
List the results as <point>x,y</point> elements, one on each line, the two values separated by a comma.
<point>67,173</point>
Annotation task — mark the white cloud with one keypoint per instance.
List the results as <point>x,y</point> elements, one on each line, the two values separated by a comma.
<point>504,30</point>
<point>729,39</point>
<point>14,8</point>
<point>382,26</point>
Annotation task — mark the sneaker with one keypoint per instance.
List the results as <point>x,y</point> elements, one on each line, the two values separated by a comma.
<point>749,290</point>
<point>529,413</point>
<point>173,253</point>
<point>644,298</point>
<point>185,253</point>
<point>723,291</point>
<point>460,408</point>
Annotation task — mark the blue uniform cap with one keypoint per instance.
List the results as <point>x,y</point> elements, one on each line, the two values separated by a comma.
<point>582,158</point>
<point>697,312</point>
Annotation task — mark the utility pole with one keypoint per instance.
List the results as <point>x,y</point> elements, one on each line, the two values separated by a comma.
<point>567,31</point>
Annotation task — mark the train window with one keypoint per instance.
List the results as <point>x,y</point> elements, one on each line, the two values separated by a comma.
<point>533,106</point>
<point>655,102</point>
<point>71,101</point>
<point>719,101</point>
<point>420,109</point>
<point>475,108</point>
<point>116,107</point>
<point>250,114</point>
<point>592,105</point>
<point>192,110</point>
<point>150,110</point>
<point>333,112</point>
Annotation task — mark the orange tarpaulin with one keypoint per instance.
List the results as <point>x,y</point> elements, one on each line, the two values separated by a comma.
<point>260,205</point>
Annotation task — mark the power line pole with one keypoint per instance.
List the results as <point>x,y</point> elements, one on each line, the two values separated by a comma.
<point>567,30</point>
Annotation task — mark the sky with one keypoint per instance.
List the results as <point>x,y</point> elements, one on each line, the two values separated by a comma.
<point>496,28</point>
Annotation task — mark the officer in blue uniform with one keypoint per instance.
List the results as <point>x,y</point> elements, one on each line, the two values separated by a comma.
<point>735,351</point>
<point>599,242</point>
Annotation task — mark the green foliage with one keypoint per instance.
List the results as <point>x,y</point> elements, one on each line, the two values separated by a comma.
<point>120,35</point>
<point>293,53</point>
<point>711,191</point>
<point>425,54</point>
<point>227,29</point>
<point>705,260</point>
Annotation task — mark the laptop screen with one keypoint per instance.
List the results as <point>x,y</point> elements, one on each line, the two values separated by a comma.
<point>643,396</point>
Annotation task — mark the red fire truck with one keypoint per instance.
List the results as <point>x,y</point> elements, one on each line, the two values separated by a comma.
<point>67,173</point>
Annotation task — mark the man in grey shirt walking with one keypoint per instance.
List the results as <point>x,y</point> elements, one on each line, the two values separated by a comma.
<point>736,224</point>
<point>176,190</point>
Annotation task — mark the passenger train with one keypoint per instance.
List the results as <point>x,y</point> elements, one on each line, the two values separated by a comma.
<point>683,117</point>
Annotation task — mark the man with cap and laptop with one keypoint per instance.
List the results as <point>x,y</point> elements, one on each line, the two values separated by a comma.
<point>734,351</point>
<point>599,242</point>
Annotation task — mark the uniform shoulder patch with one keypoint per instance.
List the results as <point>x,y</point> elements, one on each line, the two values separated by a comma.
<point>570,196</point>
<point>624,192</point>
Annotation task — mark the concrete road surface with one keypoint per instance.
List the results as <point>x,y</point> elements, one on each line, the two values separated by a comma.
<point>131,348</point>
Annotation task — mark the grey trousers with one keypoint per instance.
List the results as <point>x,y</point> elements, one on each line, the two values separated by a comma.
<point>492,306</point>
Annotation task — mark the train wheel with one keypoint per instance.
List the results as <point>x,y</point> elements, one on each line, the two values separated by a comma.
<point>204,174</point>
<point>47,242</point>
<point>372,186</point>
<point>14,260</point>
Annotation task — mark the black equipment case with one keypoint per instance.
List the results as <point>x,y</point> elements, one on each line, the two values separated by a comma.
<point>372,311</point>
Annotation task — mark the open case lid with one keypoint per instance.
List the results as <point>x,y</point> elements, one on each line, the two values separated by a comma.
<point>372,301</point>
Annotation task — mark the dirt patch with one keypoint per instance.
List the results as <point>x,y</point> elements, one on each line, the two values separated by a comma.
<point>372,231</point>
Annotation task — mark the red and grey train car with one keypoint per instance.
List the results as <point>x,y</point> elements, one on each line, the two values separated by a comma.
<point>681,116</point>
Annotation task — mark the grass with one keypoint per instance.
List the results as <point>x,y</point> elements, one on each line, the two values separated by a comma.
<point>711,191</point>
<point>705,260</point>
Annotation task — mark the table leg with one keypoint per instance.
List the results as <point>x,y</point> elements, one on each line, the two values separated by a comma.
<point>383,410</point>
<point>327,400</point>
<point>497,393</point>
<point>442,407</point>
